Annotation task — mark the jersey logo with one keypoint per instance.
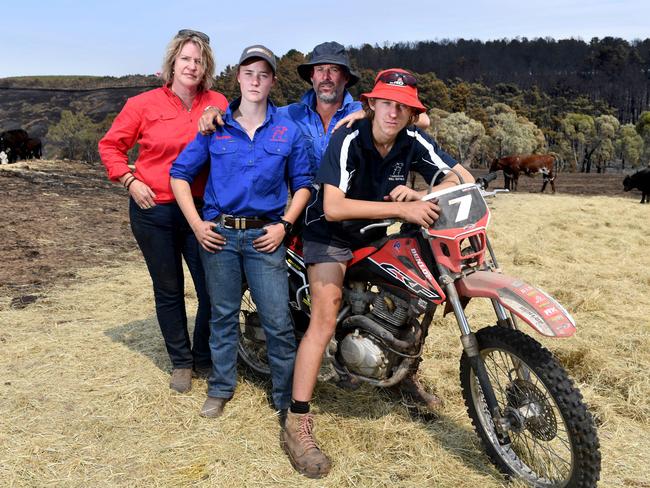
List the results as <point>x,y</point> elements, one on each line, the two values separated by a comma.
<point>278,134</point>
<point>396,173</point>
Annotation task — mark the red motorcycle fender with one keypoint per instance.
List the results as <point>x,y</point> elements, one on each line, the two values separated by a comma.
<point>530,304</point>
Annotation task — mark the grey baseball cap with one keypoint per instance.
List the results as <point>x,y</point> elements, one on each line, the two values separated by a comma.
<point>261,52</point>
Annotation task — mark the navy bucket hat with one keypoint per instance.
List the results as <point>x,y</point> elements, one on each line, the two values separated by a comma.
<point>328,53</point>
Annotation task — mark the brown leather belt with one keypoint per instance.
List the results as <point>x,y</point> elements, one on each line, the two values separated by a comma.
<point>242,223</point>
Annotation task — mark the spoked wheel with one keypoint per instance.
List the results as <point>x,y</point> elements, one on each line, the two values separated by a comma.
<point>252,341</point>
<point>549,438</point>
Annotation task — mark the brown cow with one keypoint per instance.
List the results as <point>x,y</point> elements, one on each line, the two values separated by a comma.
<point>33,148</point>
<point>528,164</point>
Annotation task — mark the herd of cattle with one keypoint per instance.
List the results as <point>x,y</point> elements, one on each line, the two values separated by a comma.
<point>16,144</point>
<point>531,164</point>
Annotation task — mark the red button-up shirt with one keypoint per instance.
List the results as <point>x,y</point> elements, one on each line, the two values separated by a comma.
<point>158,121</point>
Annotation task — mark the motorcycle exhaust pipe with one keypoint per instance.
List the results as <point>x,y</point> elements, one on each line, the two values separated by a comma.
<point>363,322</point>
<point>401,373</point>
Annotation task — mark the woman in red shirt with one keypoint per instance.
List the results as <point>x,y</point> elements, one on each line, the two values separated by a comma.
<point>162,121</point>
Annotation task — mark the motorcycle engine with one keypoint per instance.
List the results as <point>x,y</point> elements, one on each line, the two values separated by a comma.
<point>364,354</point>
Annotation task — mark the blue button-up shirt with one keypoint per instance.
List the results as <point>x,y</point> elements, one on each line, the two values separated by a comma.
<point>304,114</point>
<point>248,178</point>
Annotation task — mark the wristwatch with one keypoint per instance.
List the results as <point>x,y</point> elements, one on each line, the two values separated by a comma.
<point>288,226</point>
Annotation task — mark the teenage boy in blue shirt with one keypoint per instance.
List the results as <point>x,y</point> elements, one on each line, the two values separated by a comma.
<point>253,157</point>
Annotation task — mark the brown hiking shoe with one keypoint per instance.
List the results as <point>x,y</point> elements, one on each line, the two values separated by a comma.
<point>298,442</point>
<point>181,380</point>
<point>213,407</point>
<point>412,389</point>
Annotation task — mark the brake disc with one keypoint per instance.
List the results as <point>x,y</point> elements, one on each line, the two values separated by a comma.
<point>532,409</point>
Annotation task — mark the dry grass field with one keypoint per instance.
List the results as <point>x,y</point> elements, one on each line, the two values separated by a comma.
<point>83,372</point>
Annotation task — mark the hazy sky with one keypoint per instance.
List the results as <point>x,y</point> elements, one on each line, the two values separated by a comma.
<point>119,37</point>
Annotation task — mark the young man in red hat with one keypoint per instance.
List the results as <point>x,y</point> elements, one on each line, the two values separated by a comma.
<point>362,175</point>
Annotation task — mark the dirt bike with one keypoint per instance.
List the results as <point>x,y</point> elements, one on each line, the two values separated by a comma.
<point>530,417</point>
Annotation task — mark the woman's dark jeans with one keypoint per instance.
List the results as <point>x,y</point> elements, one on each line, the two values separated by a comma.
<point>164,236</point>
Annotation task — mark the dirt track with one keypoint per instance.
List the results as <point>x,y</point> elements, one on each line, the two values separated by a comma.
<point>59,216</point>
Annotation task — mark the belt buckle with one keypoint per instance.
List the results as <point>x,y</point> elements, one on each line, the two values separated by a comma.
<point>222,221</point>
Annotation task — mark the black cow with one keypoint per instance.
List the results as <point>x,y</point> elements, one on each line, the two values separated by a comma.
<point>33,148</point>
<point>12,142</point>
<point>641,181</point>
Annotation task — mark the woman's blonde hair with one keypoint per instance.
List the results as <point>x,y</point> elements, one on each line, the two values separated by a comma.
<point>207,59</point>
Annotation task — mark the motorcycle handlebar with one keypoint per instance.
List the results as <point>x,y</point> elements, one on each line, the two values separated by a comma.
<point>388,222</point>
<point>483,181</point>
<point>493,192</point>
<point>375,225</point>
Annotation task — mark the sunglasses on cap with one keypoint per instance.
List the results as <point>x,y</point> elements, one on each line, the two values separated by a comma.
<point>190,33</point>
<point>400,79</point>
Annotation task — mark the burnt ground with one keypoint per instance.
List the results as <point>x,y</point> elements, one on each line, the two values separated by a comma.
<point>57,217</point>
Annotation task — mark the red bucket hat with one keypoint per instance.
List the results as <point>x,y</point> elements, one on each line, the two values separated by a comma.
<point>397,85</point>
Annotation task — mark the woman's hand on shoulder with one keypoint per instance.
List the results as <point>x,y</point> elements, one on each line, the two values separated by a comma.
<point>349,120</point>
<point>208,122</point>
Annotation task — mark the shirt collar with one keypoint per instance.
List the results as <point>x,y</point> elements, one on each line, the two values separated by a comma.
<point>271,109</point>
<point>170,93</point>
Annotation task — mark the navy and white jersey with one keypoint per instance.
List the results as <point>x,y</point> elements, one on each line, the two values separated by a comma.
<point>353,164</point>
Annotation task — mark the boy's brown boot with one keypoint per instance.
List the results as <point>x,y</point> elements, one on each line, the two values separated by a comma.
<point>298,442</point>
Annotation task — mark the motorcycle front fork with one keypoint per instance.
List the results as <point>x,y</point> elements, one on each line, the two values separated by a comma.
<point>471,348</point>
<point>504,319</point>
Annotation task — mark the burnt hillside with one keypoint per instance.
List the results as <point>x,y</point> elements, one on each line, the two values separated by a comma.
<point>35,109</point>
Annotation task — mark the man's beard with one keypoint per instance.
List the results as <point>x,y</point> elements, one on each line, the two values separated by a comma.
<point>330,97</point>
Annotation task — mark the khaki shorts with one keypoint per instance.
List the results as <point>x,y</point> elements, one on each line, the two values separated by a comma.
<point>316,252</point>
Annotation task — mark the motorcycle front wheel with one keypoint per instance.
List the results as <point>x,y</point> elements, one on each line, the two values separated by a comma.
<point>550,438</point>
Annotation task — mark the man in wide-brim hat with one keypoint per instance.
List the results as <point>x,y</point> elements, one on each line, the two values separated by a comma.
<point>328,71</point>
